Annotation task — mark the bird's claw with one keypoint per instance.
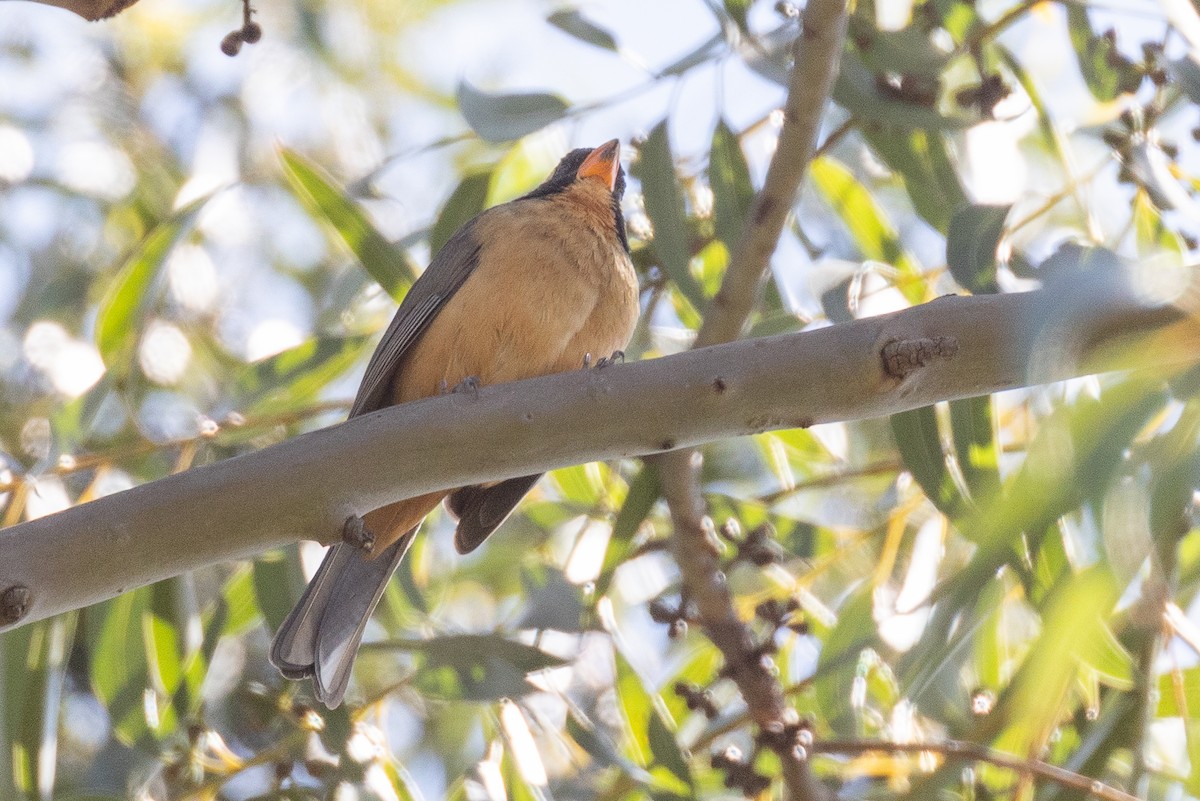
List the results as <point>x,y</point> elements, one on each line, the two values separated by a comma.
<point>617,356</point>
<point>468,384</point>
<point>356,534</point>
<point>607,361</point>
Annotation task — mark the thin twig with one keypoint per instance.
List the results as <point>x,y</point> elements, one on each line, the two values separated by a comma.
<point>70,463</point>
<point>957,749</point>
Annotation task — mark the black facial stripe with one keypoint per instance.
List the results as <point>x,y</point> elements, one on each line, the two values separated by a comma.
<point>563,176</point>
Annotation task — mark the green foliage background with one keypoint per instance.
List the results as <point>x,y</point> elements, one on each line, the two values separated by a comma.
<point>1011,570</point>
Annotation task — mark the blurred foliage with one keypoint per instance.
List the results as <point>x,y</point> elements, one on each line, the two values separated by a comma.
<point>196,253</point>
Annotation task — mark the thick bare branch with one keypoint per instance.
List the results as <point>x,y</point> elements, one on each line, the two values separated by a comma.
<point>306,487</point>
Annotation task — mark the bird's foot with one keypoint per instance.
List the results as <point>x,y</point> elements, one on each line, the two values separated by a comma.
<point>607,361</point>
<point>356,534</point>
<point>468,384</point>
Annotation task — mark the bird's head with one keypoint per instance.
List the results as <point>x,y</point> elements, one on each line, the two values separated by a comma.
<point>587,172</point>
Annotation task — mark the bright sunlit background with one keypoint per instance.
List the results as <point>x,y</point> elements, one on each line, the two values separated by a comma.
<point>175,289</point>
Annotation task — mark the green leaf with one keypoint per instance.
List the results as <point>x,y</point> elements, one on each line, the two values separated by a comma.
<point>971,244</point>
<point>118,661</point>
<point>737,10</point>
<point>473,667</point>
<point>920,446</point>
<point>729,177</point>
<point>1106,71</point>
<point>241,607</point>
<point>909,51</point>
<point>449,649</point>
<point>869,226</point>
<point>572,22</point>
<point>1073,626</point>
<point>666,750</point>
<point>467,200</point>
<point>33,665</point>
<point>126,302</point>
<point>837,664</point>
<point>637,706</point>
<point>650,725</point>
<point>921,159</point>
<point>504,117</point>
<point>296,376</point>
<point>975,446</point>
<point>578,485</point>
<point>655,168</point>
<point>278,582</point>
<point>164,629</point>
<point>1152,236</point>
<point>596,743</point>
<point>1182,700</point>
<point>639,501</point>
<point>1071,458</point>
<point>857,91</point>
<point>329,203</point>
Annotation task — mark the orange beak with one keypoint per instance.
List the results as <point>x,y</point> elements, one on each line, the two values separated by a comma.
<point>602,164</point>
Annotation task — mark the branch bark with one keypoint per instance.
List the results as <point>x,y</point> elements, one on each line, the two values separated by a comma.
<point>957,749</point>
<point>91,10</point>
<point>817,53</point>
<point>306,487</point>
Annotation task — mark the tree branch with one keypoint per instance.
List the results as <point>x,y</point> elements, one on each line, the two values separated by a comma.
<point>307,486</point>
<point>957,749</point>
<point>746,664</point>
<point>91,10</point>
<point>816,53</point>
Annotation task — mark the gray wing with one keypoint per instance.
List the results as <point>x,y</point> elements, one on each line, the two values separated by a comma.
<point>321,635</point>
<point>453,264</point>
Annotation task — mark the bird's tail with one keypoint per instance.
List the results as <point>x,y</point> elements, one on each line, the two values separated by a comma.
<point>321,635</point>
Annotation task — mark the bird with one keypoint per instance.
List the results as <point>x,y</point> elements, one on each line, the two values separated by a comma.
<point>542,284</point>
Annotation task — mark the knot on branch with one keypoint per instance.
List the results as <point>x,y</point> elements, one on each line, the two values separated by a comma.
<point>14,603</point>
<point>903,357</point>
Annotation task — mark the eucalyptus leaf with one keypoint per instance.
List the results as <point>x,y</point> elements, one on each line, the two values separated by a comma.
<point>975,447</point>
<point>505,117</point>
<point>467,200</point>
<point>572,22</point>
<point>920,445</point>
<point>655,168</point>
<point>729,178</point>
<point>296,377</point>
<point>1105,70</point>
<point>971,244</point>
<point>126,303</point>
<point>857,91</point>
<point>329,203</point>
